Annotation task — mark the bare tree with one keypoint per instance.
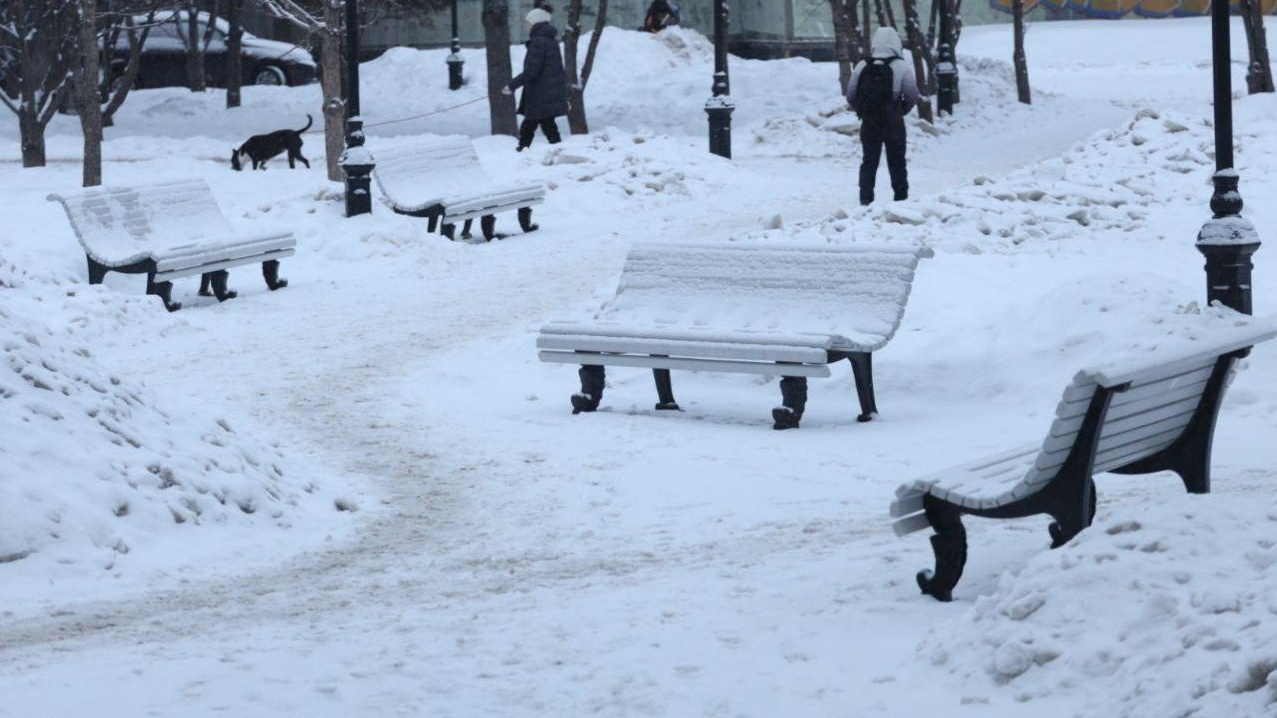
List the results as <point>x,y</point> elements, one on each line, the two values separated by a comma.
<point>577,81</point>
<point>1018,58</point>
<point>325,23</point>
<point>37,46</point>
<point>196,40</point>
<point>234,51</point>
<point>118,81</point>
<point>496,37</point>
<point>917,44</point>
<point>1259,73</point>
<point>847,46</point>
<point>86,71</point>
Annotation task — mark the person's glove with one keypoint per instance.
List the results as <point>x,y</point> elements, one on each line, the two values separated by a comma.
<point>506,90</point>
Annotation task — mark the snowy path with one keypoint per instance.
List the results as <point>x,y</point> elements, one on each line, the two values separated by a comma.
<point>513,560</point>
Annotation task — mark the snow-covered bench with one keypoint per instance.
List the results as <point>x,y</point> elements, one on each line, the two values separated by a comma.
<point>1147,414</point>
<point>775,310</point>
<point>168,231</point>
<point>441,179</point>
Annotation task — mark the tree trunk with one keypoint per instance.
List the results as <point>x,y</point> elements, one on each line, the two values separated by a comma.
<point>32,133</point>
<point>918,44</point>
<point>847,46</point>
<point>119,90</point>
<point>234,53</point>
<point>330,86</point>
<point>1259,73</point>
<point>88,95</point>
<point>496,36</point>
<point>194,58</point>
<point>577,124</point>
<point>867,30</point>
<point>1018,58</point>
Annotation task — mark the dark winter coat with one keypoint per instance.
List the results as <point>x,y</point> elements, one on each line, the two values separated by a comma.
<point>544,81</point>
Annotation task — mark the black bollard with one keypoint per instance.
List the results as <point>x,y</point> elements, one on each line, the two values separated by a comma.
<point>357,165</point>
<point>455,63</point>
<point>719,107</point>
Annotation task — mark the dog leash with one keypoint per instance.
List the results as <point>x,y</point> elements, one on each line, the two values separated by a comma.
<point>320,131</point>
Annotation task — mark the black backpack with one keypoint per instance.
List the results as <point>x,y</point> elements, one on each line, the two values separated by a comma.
<point>875,90</point>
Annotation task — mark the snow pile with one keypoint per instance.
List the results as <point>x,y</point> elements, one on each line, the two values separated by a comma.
<point>1107,186</point>
<point>92,462</point>
<point>1164,609</point>
<point>650,170</point>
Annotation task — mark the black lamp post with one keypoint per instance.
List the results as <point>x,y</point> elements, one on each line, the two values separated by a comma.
<point>356,162</point>
<point>455,63</point>
<point>946,62</point>
<point>719,107</point>
<point>1227,239</point>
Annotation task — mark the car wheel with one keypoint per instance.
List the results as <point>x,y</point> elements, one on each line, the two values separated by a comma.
<point>270,75</point>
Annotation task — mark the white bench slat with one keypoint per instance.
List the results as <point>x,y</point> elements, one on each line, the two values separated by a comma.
<point>1162,413</point>
<point>1070,423</point>
<point>1078,399</point>
<point>717,365</point>
<point>224,264</point>
<point>711,348</point>
<point>193,256</point>
<point>910,524</point>
<point>446,172</point>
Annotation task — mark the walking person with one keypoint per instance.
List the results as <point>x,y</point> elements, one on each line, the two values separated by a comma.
<point>544,81</point>
<point>882,90</point>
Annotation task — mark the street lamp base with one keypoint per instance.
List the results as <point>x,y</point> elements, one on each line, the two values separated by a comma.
<point>720,112</point>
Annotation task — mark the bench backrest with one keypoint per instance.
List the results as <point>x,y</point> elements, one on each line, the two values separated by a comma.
<point>427,167</point>
<point>123,224</point>
<point>1163,393</point>
<point>855,291</point>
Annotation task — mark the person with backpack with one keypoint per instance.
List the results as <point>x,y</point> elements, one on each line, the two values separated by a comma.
<point>544,81</point>
<point>882,90</point>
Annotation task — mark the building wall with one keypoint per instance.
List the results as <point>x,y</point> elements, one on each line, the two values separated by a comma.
<point>767,20</point>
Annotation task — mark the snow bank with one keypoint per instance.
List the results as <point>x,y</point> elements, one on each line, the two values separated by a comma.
<point>1107,186</point>
<point>94,463</point>
<point>1164,609</point>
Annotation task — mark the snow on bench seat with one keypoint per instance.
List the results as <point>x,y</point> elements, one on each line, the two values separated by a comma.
<point>168,231</point>
<point>1151,413</point>
<point>765,309</point>
<point>442,179</point>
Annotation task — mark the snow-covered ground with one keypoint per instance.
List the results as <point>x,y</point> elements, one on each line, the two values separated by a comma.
<point>363,495</point>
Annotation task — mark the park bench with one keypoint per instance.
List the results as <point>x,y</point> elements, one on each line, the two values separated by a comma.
<point>441,179</point>
<point>763,309</point>
<point>1151,413</point>
<point>168,231</point>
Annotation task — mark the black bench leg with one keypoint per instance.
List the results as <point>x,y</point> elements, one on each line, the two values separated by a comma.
<point>949,544</point>
<point>449,231</point>
<point>591,393</point>
<point>862,369</point>
<point>432,223</point>
<point>465,229</point>
<point>218,280</point>
<point>97,271</point>
<point>525,220</point>
<point>163,290</point>
<point>664,391</point>
<point>206,284</point>
<point>270,272</point>
<point>1071,516</point>
<point>488,223</point>
<point>793,396</point>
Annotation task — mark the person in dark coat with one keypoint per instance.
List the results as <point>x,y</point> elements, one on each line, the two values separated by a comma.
<point>884,125</point>
<point>660,15</point>
<point>544,81</point>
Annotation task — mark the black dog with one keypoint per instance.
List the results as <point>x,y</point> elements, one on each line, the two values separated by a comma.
<point>260,148</point>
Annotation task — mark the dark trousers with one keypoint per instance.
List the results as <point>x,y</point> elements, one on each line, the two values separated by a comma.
<point>528,128</point>
<point>872,145</point>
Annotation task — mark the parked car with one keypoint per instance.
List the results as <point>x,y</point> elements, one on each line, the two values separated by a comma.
<point>264,62</point>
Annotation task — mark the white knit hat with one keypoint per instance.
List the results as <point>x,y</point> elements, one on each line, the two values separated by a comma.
<point>537,16</point>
